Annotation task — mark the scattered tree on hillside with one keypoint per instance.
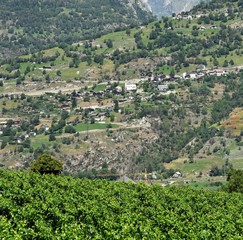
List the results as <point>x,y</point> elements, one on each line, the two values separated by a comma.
<point>46,164</point>
<point>235,181</point>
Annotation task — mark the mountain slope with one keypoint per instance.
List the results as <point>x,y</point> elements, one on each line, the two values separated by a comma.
<point>151,128</point>
<point>34,25</point>
<point>167,7</point>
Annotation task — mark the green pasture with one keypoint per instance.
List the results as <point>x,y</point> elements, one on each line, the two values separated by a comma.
<point>189,169</point>
<point>96,126</point>
<point>39,140</point>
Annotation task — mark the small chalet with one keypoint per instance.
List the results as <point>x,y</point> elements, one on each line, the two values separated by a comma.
<point>202,28</point>
<point>163,88</point>
<point>220,72</point>
<point>47,68</point>
<point>130,87</point>
<point>189,17</point>
<point>177,175</point>
<point>32,134</point>
<point>118,89</point>
<point>193,75</point>
<point>201,68</point>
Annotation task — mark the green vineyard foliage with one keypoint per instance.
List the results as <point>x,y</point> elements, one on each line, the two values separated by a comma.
<point>34,206</point>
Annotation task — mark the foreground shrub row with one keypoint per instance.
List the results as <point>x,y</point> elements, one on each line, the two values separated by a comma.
<point>33,206</point>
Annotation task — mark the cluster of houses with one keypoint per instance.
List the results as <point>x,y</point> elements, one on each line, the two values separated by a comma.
<point>162,81</point>
<point>15,123</point>
<point>130,87</point>
<point>4,122</point>
<point>187,16</point>
<point>203,28</point>
<point>100,112</point>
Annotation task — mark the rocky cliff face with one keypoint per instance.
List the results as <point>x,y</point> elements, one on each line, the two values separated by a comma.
<point>167,7</point>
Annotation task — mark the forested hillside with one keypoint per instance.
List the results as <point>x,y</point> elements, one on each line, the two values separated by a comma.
<point>165,95</point>
<point>49,207</point>
<point>34,25</point>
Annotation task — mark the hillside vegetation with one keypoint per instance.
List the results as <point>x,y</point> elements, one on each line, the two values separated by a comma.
<point>28,26</point>
<point>170,46</point>
<point>72,101</point>
<point>50,207</point>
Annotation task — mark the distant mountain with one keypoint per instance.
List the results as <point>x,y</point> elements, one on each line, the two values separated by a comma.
<point>167,7</point>
<point>37,24</point>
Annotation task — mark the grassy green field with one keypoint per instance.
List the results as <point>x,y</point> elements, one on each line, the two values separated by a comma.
<point>96,126</point>
<point>39,140</point>
<point>204,164</point>
<point>209,185</point>
<point>190,169</point>
<point>99,87</point>
<point>119,39</point>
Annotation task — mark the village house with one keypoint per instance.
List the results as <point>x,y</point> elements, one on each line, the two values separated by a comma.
<point>44,128</point>
<point>32,134</point>
<point>108,107</point>
<point>71,122</point>
<point>200,75</point>
<point>220,72</point>
<point>186,75</point>
<point>16,122</point>
<point>98,94</point>
<point>177,77</point>
<point>163,88</point>
<point>46,67</point>
<point>202,28</point>
<point>183,15</point>
<point>3,123</point>
<point>65,106</point>
<point>201,68</point>
<point>78,110</point>
<point>217,72</point>
<point>100,118</point>
<point>130,87</point>
<point>169,78</point>
<point>193,76</point>
<point>118,89</point>
<point>189,17</point>
<point>177,175</point>
<point>178,17</point>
